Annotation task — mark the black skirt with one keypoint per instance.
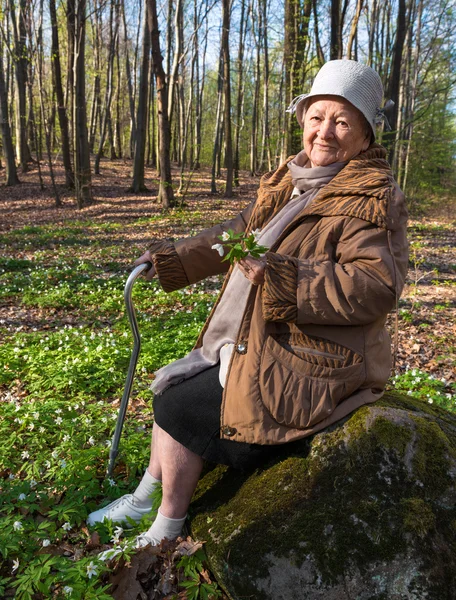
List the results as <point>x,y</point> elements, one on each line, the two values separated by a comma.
<point>190,413</point>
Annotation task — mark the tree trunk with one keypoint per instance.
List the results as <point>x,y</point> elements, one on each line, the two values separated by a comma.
<point>354,28</point>
<point>240,94</point>
<point>141,119</point>
<point>21,65</point>
<point>166,194</point>
<point>335,47</point>
<point>395,76</point>
<point>227,98</point>
<point>131,101</point>
<point>113,28</point>
<point>58,91</point>
<point>83,179</point>
<point>8,148</point>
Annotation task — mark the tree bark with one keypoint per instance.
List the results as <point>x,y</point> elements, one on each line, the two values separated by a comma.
<point>21,66</point>
<point>141,118</point>
<point>83,178</point>
<point>58,91</point>
<point>113,28</point>
<point>227,98</point>
<point>240,94</point>
<point>8,148</point>
<point>166,194</point>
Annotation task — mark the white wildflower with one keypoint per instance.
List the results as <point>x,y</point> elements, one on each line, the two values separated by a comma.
<point>108,443</point>
<point>111,482</point>
<point>67,590</point>
<point>66,437</point>
<point>220,249</point>
<point>91,441</point>
<point>58,411</point>
<point>15,565</point>
<point>58,421</point>
<point>33,483</point>
<point>66,526</point>
<point>31,426</point>
<point>225,236</point>
<point>46,543</point>
<point>91,570</point>
<point>430,401</point>
<point>42,429</point>
<point>54,454</point>
<point>22,496</point>
<point>17,526</point>
<point>25,455</point>
<point>256,234</point>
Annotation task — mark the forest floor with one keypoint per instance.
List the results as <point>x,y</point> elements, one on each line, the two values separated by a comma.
<point>65,345</point>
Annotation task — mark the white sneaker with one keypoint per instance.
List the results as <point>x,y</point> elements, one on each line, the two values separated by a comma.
<point>118,511</point>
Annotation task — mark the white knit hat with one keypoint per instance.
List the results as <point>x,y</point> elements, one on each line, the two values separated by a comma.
<point>355,82</point>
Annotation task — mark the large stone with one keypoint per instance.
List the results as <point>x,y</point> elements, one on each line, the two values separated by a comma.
<point>365,510</point>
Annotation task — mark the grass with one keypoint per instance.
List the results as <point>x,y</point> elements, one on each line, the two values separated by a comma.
<point>61,385</point>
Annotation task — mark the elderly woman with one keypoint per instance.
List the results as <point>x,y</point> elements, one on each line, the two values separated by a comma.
<point>296,340</point>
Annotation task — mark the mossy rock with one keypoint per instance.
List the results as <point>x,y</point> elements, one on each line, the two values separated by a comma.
<point>365,510</point>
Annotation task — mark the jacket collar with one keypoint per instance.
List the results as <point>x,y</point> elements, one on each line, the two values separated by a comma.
<point>364,188</point>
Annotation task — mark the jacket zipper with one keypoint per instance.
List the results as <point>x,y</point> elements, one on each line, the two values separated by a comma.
<point>316,352</point>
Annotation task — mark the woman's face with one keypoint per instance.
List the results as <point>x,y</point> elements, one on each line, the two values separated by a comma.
<point>334,131</point>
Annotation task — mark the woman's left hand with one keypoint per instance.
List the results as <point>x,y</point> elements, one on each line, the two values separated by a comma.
<point>253,269</point>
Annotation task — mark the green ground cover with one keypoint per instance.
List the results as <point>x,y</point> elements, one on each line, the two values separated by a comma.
<point>61,384</point>
<point>64,353</point>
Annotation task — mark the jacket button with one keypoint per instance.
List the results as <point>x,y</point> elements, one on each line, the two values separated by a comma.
<point>241,348</point>
<point>229,431</point>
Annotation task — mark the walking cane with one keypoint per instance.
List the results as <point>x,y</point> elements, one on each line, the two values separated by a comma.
<point>131,367</point>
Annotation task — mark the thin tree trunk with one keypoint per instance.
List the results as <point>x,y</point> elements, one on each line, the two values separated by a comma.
<point>8,148</point>
<point>21,65</point>
<point>83,179</point>
<point>58,91</point>
<point>131,101</point>
<point>240,93</point>
<point>113,28</point>
<point>217,126</point>
<point>166,194</point>
<point>141,119</point>
<point>394,80</point>
<point>227,98</point>
<point>335,49</point>
<point>354,28</point>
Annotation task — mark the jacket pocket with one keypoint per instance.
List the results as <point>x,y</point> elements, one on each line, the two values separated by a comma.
<point>302,382</point>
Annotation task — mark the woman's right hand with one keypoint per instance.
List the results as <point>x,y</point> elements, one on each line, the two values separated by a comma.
<point>146,258</point>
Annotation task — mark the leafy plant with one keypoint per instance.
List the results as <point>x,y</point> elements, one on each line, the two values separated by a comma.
<point>239,245</point>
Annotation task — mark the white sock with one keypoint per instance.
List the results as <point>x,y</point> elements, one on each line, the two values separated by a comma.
<point>142,493</point>
<point>163,527</point>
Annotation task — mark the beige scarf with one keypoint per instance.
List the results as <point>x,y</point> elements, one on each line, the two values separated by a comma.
<point>222,331</point>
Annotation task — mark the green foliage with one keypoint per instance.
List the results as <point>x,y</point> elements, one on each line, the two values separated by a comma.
<point>61,379</point>
<point>196,587</point>
<point>239,246</point>
<point>425,386</point>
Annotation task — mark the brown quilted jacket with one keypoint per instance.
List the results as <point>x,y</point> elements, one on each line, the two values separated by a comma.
<point>312,346</point>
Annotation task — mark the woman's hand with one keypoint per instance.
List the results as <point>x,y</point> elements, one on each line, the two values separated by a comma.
<point>253,269</point>
<point>146,257</point>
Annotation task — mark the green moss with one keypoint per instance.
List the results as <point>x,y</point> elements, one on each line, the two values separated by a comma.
<point>418,516</point>
<point>431,457</point>
<point>350,497</point>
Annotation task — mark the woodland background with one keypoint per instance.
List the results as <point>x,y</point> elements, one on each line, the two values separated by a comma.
<point>206,84</point>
